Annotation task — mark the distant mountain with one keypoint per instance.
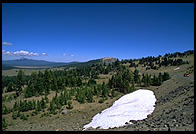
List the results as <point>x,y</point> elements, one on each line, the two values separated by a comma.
<point>108,60</point>
<point>7,67</point>
<point>105,60</point>
<point>29,63</point>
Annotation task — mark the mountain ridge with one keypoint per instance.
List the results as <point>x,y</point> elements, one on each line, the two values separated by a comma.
<point>14,64</point>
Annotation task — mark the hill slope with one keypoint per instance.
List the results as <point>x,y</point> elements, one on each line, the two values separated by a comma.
<point>174,109</point>
<point>29,62</point>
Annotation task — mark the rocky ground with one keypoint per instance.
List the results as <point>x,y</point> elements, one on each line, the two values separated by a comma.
<point>174,109</point>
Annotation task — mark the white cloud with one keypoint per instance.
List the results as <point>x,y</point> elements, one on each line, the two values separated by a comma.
<point>44,54</point>
<point>64,54</point>
<point>19,53</point>
<point>72,55</point>
<point>8,53</point>
<point>4,52</point>
<point>6,44</point>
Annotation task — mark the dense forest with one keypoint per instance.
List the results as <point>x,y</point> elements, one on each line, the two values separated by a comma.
<point>80,83</point>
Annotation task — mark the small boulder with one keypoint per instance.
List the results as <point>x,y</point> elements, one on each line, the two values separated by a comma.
<point>64,111</point>
<point>58,129</point>
<point>133,121</point>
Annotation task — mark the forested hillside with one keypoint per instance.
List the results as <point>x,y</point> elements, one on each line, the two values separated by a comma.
<point>26,96</point>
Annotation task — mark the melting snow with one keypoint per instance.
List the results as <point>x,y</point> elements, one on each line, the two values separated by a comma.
<point>133,106</point>
<point>177,68</point>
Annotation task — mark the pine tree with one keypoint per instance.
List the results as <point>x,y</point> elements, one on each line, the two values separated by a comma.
<point>38,108</point>
<point>14,115</point>
<point>166,76</point>
<point>54,85</point>
<point>111,82</point>
<point>30,91</point>
<point>136,76</point>
<point>105,91</point>
<point>59,84</point>
<point>16,106</point>
<point>10,87</point>
<point>40,83</point>
<point>20,76</point>
<point>58,104</point>
<point>91,82</point>
<point>80,97</point>
<point>52,108</point>
<point>79,81</point>
<point>113,93</point>
<point>46,98</point>
<point>145,80</point>
<point>46,82</point>
<point>148,80</point>
<point>70,106</point>
<point>154,81</point>
<point>4,124</point>
<point>34,105</point>
<point>132,86</point>
<point>89,95</point>
<point>43,104</point>
<point>140,82</point>
<point>160,80</point>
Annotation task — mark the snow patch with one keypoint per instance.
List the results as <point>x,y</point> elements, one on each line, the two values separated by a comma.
<point>177,68</point>
<point>133,106</point>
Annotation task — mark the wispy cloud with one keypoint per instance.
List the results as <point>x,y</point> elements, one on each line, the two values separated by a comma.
<point>6,52</point>
<point>44,54</point>
<point>72,55</point>
<point>19,53</point>
<point>64,54</point>
<point>6,43</point>
<point>25,53</point>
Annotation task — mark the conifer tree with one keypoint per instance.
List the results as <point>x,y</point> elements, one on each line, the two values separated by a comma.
<point>54,84</point>
<point>132,86</point>
<point>166,76</point>
<point>160,80</point>
<point>16,106</point>
<point>145,80</point>
<point>105,91</point>
<point>38,108</point>
<point>70,106</point>
<point>89,95</point>
<point>43,104</point>
<point>20,76</point>
<point>52,108</point>
<point>10,87</point>
<point>136,76</point>
<point>140,81</point>
<point>4,124</point>
<point>46,81</point>
<point>148,80</point>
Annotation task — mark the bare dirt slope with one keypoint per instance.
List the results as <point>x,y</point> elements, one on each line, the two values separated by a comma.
<point>175,104</point>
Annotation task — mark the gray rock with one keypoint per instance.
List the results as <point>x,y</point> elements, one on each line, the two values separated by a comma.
<point>64,111</point>
<point>133,121</point>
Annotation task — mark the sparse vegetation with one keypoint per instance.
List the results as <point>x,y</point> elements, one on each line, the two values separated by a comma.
<point>69,105</point>
<point>84,84</point>
<point>4,124</point>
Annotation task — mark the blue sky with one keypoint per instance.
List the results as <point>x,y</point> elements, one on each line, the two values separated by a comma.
<point>85,31</point>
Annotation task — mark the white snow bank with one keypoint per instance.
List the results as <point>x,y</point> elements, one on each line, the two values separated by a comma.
<point>177,68</point>
<point>133,106</point>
